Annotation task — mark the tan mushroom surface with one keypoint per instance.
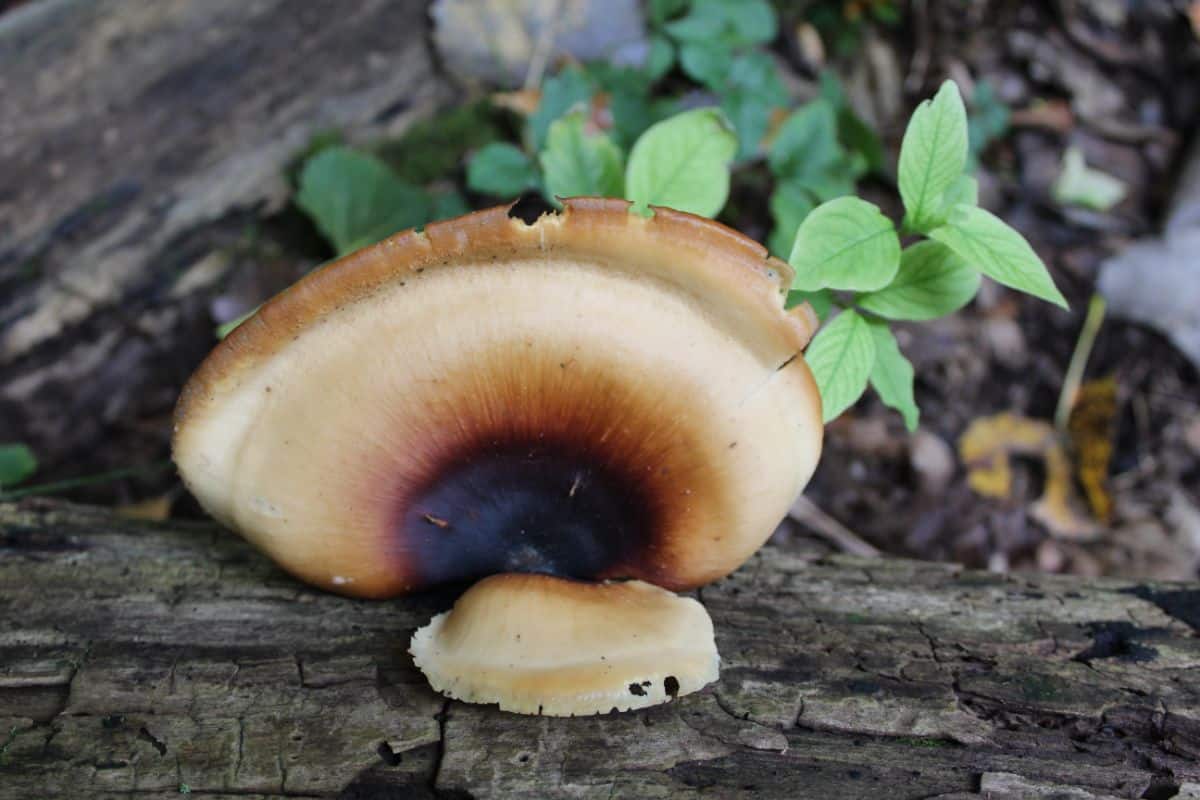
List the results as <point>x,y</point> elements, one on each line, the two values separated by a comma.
<point>536,644</point>
<point>597,395</point>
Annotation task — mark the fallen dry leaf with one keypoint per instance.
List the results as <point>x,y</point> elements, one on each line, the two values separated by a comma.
<point>154,509</point>
<point>986,448</point>
<point>1051,115</point>
<point>521,101</point>
<point>1093,429</point>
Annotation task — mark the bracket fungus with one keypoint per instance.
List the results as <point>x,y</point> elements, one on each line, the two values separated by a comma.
<point>595,396</point>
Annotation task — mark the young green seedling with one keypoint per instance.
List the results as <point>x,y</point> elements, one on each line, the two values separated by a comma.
<point>847,256</point>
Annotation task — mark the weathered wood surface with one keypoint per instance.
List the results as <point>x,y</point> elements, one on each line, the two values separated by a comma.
<point>141,659</point>
<point>139,140</point>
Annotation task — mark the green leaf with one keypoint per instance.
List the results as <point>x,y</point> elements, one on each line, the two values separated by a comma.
<point>892,375</point>
<point>853,132</point>
<point>790,204</point>
<point>964,191</point>
<point>629,100</point>
<point>733,23</point>
<point>932,155</point>
<point>682,163</point>
<point>17,462</point>
<point>355,200</point>
<point>750,115</point>
<point>752,90</point>
<point>1080,185</point>
<point>990,245</point>
<point>576,164</point>
<point>660,58</point>
<point>448,204</point>
<point>846,243</point>
<point>841,357</point>
<point>560,94</point>
<point>861,138</point>
<point>820,301</point>
<point>806,143</point>
<point>501,169</point>
<point>698,26</point>
<point>706,62</point>
<point>662,10</point>
<point>753,20</point>
<point>933,281</point>
<point>987,121</point>
<point>837,181</point>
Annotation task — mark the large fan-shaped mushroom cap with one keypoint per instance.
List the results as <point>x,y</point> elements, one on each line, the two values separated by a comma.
<point>594,395</point>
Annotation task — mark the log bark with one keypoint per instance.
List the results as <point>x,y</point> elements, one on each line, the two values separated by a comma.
<point>148,659</point>
<point>139,141</point>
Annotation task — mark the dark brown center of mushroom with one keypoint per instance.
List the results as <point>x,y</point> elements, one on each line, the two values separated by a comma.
<point>547,507</point>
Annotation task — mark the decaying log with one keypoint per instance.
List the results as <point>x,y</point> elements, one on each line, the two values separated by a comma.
<point>148,659</point>
<point>139,141</point>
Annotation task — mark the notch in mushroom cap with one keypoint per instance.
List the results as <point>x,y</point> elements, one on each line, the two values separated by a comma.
<point>596,395</point>
<point>535,644</point>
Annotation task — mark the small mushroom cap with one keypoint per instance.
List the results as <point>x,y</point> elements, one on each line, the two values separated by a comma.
<point>536,644</point>
<point>596,395</point>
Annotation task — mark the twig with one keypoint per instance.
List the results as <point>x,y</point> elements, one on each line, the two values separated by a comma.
<point>807,513</point>
<point>918,67</point>
<point>1083,348</point>
<point>542,48</point>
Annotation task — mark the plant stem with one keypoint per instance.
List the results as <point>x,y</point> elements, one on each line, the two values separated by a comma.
<point>87,480</point>
<point>1083,348</point>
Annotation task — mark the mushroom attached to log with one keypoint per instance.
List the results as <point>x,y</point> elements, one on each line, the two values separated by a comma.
<point>596,396</point>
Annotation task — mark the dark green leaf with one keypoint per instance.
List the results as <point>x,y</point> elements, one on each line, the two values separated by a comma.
<point>831,89</point>
<point>841,358</point>
<point>754,20</point>
<point>752,91</point>
<point>820,301</point>
<point>447,205</point>
<point>988,120</point>
<point>660,58</point>
<point>706,62</point>
<point>933,281</point>
<point>17,463</point>
<point>837,181</point>
<point>987,243</point>
<point>806,144</point>
<point>501,169</point>
<point>860,138</point>
<point>662,10</point>
<point>355,200</point>
<point>892,375</point>
<point>790,204</point>
<point>576,164</point>
<point>697,27</point>
<point>559,94</point>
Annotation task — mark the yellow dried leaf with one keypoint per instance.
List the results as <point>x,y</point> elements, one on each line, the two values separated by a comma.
<point>522,101</point>
<point>1058,509</point>
<point>155,509</point>
<point>988,442</point>
<point>986,448</point>
<point>1093,429</point>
